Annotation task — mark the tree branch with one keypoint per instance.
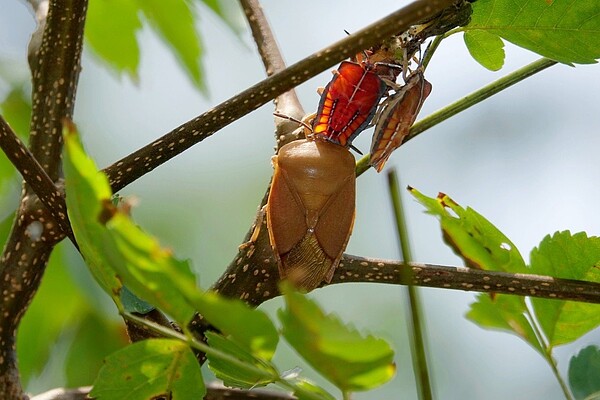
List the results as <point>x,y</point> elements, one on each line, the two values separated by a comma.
<point>34,233</point>
<point>40,10</point>
<point>55,74</point>
<point>251,276</point>
<point>144,160</point>
<point>35,176</point>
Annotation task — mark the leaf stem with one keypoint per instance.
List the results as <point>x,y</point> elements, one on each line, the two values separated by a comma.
<point>435,43</point>
<point>172,334</point>
<point>416,329</point>
<point>468,101</point>
<point>547,354</point>
<point>203,347</point>
<point>563,384</point>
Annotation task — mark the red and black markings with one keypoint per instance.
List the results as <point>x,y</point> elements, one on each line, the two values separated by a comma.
<point>348,103</point>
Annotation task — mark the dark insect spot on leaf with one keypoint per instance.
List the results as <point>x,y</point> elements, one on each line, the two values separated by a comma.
<point>165,396</point>
<point>470,234</point>
<point>487,249</point>
<point>440,197</point>
<point>107,212</point>
<point>128,377</point>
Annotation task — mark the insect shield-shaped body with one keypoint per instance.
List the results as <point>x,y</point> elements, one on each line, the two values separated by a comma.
<point>348,102</point>
<point>398,114</point>
<point>310,210</point>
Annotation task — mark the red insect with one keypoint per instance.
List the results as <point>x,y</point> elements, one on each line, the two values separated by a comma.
<point>397,115</point>
<point>348,102</point>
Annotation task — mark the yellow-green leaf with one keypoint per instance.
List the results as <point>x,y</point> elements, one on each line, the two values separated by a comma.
<point>113,245</point>
<point>150,369</point>
<point>351,361</point>
<point>250,328</point>
<point>88,193</point>
<point>253,372</point>
<point>486,48</point>
<point>505,313</point>
<point>563,255</point>
<point>475,239</point>
<point>567,31</point>
<point>110,29</point>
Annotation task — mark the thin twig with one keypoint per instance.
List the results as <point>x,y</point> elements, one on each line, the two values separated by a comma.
<point>286,103</point>
<point>357,269</point>
<point>415,324</point>
<point>252,276</point>
<point>144,160</point>
<point>35,176</point>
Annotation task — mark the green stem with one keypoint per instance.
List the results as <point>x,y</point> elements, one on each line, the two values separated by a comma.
<point>470,100</point>
<point>170,333</point>
<point>416,328</point>
<point>435,43</point>
<point>563,384</point>
<point>547,354</point>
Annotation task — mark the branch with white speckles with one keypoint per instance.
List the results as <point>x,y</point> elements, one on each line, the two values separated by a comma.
<point>357,269</point>
<point>35,232</point>
<point>253,277</point>
<point>35,176</point>
<point>144,160</point>
<point>55,74</point>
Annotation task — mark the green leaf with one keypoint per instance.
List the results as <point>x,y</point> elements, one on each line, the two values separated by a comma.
<point>567,31</point>
<point>95,338</point>
<point>487,49</point>
<point>572,257</point>
<point>174,21</point>
<point>16,110</point>
<point>229,13</point>
<point>475,239</point>
<point>40,329</point>
<point>133,304</point>
<point>112,26</point>
<point>505,313</point>
<point>341,354</point>
<point>150,271</point>
<point>250,328</point>
<point>257,372</point>
<point>584,373</point>
<point>307,390</point>
<point>5,226</point>
<point>110,30</point>
<point>111,243</point>
<point>149,369</point>
<point>88,195</point>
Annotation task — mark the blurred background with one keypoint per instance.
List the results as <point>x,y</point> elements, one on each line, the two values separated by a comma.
<point>526,159</point>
